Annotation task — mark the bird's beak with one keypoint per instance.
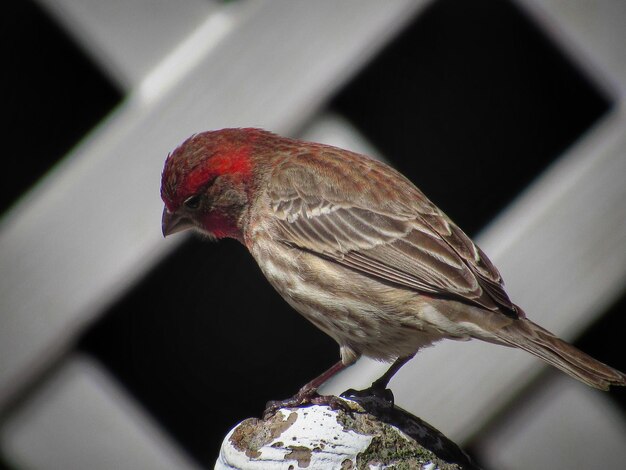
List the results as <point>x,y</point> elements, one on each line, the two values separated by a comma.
<point>171,222</point>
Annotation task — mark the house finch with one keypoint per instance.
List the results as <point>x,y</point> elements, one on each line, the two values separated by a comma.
<point>356,248</point>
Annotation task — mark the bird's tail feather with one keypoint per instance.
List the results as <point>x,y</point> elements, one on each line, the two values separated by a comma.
<point>530,337</point>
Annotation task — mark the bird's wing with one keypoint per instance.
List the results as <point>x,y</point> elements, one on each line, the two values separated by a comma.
<point>366,216</point>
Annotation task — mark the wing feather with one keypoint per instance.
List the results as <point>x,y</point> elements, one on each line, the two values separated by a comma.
<point>397,236</point>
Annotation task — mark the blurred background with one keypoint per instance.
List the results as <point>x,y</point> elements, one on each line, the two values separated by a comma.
<point>119,349</point>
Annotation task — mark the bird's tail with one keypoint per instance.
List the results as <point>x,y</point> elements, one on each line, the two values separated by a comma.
<point>530,337</point>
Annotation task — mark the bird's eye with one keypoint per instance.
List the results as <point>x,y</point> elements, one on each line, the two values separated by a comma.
<point>192,202</point>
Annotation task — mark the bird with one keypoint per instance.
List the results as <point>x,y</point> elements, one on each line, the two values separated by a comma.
<point>356,248</point>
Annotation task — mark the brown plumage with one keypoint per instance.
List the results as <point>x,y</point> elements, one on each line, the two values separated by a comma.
<point>355,247</point>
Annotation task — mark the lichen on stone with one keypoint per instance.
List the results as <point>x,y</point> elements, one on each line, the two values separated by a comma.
<point>389,446</point>
<point>249,436</point>
<point>301,454</point>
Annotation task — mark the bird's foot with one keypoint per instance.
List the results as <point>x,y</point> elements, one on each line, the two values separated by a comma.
<point>380,393</point>
<point>305,398</point>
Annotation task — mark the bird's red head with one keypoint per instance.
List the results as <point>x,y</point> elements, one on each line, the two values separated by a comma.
<point>206,180</point>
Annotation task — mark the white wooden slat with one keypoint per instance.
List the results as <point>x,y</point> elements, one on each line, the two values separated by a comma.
<point>564,427</point>
<point>81,419</point>
<point>128,38</point>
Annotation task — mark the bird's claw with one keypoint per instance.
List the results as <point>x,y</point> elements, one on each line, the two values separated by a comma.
<point>306,398</point>
<point>335,403</point>
<point>371,392</point>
